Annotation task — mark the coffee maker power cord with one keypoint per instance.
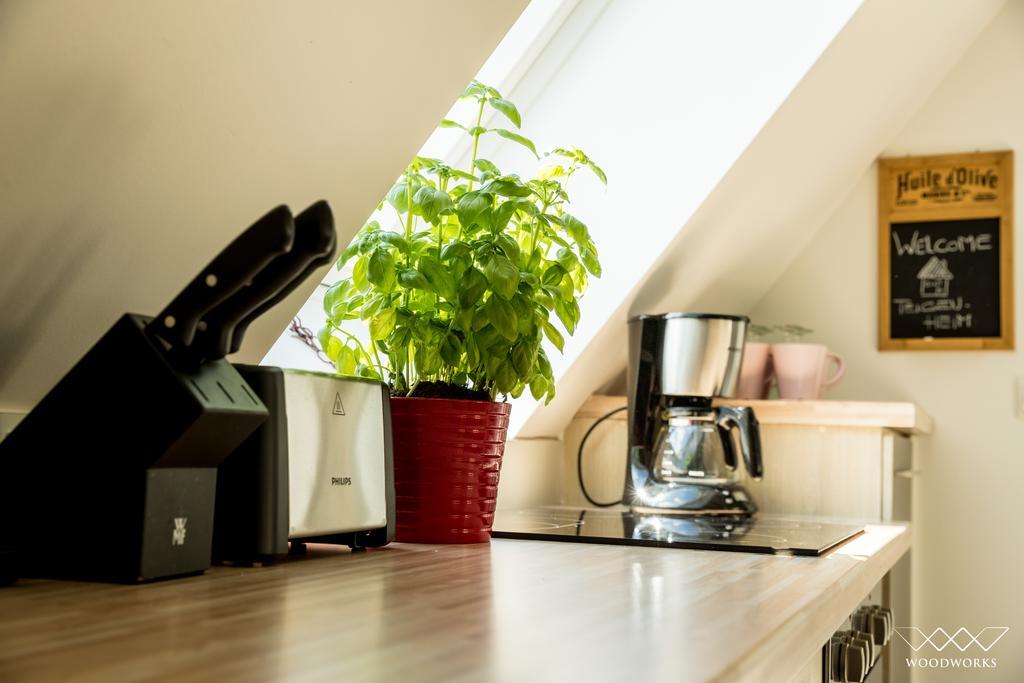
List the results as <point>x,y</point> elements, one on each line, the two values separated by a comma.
<point>579,460</point>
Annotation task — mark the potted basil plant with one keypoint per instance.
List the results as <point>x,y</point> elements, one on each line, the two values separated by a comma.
<point>463,295</point>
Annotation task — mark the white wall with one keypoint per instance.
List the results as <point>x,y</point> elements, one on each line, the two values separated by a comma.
<point>968,532</point>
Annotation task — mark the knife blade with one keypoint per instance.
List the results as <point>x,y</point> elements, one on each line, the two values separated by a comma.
<point>232,269</point>
<point>224,327</point>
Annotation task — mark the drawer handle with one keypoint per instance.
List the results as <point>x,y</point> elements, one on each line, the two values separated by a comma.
<point>906,474</point>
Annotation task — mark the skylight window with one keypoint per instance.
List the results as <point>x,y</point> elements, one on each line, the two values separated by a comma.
<point>664,95</point>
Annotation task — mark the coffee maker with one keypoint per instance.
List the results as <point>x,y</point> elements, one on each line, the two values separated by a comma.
<point>682,457</point>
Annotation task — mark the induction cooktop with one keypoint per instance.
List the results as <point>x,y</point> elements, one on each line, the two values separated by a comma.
<point>760,533</point>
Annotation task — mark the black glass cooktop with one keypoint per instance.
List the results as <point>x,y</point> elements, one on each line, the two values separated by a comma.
<point>760,533</point>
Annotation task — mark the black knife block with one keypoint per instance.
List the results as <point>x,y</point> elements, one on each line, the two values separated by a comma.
<point>112,476</point>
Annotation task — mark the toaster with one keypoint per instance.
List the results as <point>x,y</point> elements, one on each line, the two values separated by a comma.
<point>319,469</point>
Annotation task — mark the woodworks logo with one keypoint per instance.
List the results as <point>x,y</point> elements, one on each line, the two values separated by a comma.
<point>951,646</point>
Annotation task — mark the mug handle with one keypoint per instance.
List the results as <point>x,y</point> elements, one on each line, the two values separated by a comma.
<point>840,370</point>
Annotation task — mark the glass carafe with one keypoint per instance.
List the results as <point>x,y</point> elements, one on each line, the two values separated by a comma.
<point>692,465</point>
<point>692,448</point>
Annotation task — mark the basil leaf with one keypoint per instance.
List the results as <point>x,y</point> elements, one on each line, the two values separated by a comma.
<point>508,109</point>
<point>400,337</point>
<point>471,287</point>
<point>501,314</point>
<point>574,226</point>
<point>382,324</point>
<point>590,262</point>
<point>507,186</point>
<point>323,337</point>
<point>462,174</point>
<point>567,288</point>
<point>567,259</point>
<point>598,172</point>
<point>564,314</point>
<point>522,358</point>
<point>393,238</point>
<point>544,364</point>
<point>432,202</point>
<point>359,273</point>
<point>472,208</point>
<point>410,278</point>
<point>487,166</point>
<point>428,360</point>
<point>503,275</point>
<point>350,251</point>
<point>538,385</point>
<point>481,319</point>
<point>525,205</point>
<point>514,137</point>
<point>381,270</point>
<point>508,244</point>
<point>398,195</point>
<point>553,275</point>
<point>451,349</point>
<point>345,363</point>
<point>455,250</point>
<point>437,275</point>
<point>501,216</point>
<point>553,334</point>
<point>475,90</point>
<point>336,293</point>
<point>505,378</point>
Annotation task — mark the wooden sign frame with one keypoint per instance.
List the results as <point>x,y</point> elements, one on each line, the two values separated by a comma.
<point>946,187</point>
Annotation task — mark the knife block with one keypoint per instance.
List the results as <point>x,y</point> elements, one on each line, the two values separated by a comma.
<point>112,476</point>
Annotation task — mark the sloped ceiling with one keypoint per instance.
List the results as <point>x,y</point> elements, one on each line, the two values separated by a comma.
<point>862,91</point>
<point>139,138</point>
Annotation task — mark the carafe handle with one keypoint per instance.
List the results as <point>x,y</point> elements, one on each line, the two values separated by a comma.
<point>743,419</point>
<point>728,449</point>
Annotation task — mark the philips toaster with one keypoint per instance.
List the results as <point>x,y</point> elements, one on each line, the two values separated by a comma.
<point>319,470</point>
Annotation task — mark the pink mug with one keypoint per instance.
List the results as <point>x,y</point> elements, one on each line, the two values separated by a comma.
<point>755,372</point>
<point>800,370</point>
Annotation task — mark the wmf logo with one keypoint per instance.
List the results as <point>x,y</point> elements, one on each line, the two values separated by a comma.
<point>951,646</point>
<point>178,533</point>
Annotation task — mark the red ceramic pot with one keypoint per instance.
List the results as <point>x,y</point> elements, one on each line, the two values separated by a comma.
<point>447,463</point>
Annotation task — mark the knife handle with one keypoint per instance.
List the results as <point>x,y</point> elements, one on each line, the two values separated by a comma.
<point>318,221</point>
<point>224,326</point>
<point>233,268</point>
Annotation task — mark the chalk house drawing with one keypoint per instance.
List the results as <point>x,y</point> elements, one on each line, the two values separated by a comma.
<point>935,276</point>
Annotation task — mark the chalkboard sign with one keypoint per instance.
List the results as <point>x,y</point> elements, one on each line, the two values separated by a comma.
<point>945,252</point>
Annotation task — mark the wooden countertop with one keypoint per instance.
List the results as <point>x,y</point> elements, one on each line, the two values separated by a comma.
<point>907,418</point>
<point>508,611</point>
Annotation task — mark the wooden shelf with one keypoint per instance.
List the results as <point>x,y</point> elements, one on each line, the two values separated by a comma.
<point>906,418</point>
<point>509,610</point>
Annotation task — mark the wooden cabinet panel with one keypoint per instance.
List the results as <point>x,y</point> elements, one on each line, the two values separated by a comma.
<point>832,472</point>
